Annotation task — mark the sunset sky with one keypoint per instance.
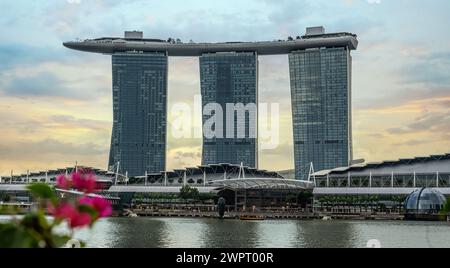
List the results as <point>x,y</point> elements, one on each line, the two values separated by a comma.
<point>56,104</point>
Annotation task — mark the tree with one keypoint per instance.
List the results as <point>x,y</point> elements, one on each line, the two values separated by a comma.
<point>188,192</point>
<point>291,198</point>
<point>305,197</point>
<point>446,208</point>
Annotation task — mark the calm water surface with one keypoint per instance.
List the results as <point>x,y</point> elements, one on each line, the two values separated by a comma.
<point>212,233</point>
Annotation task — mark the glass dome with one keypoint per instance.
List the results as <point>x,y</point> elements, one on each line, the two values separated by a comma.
<point>425,200</point>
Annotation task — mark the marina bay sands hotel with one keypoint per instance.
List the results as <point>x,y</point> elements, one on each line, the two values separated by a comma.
<point>320,75</point>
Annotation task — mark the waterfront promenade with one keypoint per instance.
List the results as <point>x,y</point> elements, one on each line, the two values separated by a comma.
<point>269,215</point>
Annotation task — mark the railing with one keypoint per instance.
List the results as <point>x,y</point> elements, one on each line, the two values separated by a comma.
<point>408,180</point>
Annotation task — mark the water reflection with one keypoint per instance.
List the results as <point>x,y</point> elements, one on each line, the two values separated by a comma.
<point>126,233</point>
<point>328,234</point>
<point>230,234</point>
<point>278,234</point>
<point>212,233</point>
<point>185,233</point>
<point>405,234</point>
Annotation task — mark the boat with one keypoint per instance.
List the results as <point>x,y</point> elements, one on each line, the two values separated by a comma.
<point>252,218</point>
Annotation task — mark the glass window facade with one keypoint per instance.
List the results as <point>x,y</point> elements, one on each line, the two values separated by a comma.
<point>321,104</point>
<point>230,78</point>
<point>425,200</point>
<point>140,112</point>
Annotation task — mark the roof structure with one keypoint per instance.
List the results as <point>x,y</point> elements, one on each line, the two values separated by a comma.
<point>264,184</point>
<point>136,42</point>
<point>388,164</point>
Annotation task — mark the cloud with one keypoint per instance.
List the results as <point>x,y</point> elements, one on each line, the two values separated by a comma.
<point>57,80</point>
<point>397,97</point>
<point>42,84</point>
<point>430,122</point>
<point>13,54</point>
<point>287,14</point>
<point>68,121</point>
<point>431,70</point>
<point>21,155</point>
<point>182,157</point>
<point>414,143</point>
<point>22,150</point>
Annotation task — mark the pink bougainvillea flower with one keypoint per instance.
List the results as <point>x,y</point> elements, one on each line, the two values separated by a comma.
<point>78,180</point>
<point>99,204</point>
<point>63,211</point>
<point>103,207</point>
<point>80,219</point>
<point>84,182</point>
<point>63,182</point>
<point>68,212</point>
<point>90,183</point>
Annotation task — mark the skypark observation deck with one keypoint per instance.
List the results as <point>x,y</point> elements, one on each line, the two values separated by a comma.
<point>111,45</point>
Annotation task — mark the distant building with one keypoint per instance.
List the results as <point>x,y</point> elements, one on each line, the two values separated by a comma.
<point>320,72</point>
<point>321,105</point>
<point>240,185</point>
<point>400,177</point>
<point>231,78</point>
<point>139,135</point>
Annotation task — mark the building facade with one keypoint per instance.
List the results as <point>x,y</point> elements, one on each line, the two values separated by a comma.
<point>230,79</point>
<point>321,108</point>
<point>320,70</point>
<point>412,173</point>
<point>138,143</point>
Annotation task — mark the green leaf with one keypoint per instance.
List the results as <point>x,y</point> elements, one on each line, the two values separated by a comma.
<point>15,236</point>
<point>60,240</point>
<point>43,221</point>
<point>42,190</point>
<point>89,210</point>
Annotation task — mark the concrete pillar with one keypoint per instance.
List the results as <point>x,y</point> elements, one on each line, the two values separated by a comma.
<point>392,180</point>
<point>437,179</point>
<point>204,178</point>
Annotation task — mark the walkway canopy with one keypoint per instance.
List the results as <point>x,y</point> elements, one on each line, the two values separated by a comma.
<point>263,184</point>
